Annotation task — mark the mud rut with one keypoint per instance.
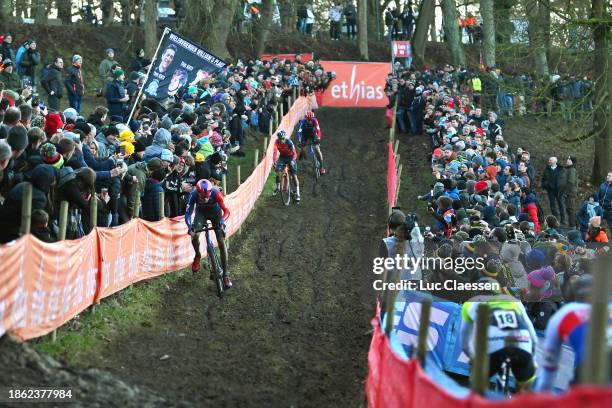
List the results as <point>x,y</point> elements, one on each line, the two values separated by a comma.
<point>296,328</point>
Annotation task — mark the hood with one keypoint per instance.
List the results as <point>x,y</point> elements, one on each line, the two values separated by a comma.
<point>162,137</point>
<point>530,198</point>
<point>510,252</point>
<point>43,176</point>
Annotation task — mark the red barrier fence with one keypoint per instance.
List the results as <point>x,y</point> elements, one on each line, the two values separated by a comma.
<point>42,285</point>
<point>396,383</point>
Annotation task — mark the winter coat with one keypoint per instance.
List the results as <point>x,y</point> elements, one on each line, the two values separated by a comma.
<point>115,91</point>
<point>509,254</point>
<point>529,206</point>
<point>7,52</point>
<point>53,81</point>
<point>105,149</point>
<point>74,81</point>
<point>67,189</point>
<point>10,213</point>
<point>161,140</point>
<point>604,196</point>
<point>104,70</point>
<point>150,200</point>
<point>11,81</point>
<point>568,181</point>
<point>29,61</point>
<point>550,179</point>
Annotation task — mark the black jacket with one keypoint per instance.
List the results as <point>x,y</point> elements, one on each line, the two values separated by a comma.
<point>114,92</point>
<point>550,179</point>
<point>29,61</point>
<point>74,81</point>
<point>53,81</point>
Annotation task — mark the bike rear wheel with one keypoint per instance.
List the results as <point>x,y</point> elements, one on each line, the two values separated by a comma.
<point>217,272</point>
<point>285,187</point>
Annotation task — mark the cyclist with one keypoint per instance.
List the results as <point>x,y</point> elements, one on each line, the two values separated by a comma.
<point>310,132</point>
<point>568,326</point>
<point>207,202</point>
<point>510,335</point>
<point>286,154</point>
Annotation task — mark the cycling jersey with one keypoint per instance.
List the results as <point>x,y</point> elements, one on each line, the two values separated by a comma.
<point>509,325</point>
<point>213,207</point>
<point>569,325</point>
<point>286,150</point>
<point>308,130</point>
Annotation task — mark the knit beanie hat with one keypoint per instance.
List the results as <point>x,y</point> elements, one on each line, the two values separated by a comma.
<point>118,73</point>
<point>53,122</point>
<point>595,221</point>
<point>438,188</point>
<point>18,138</point>
<point>541,279</point>
<point>50,155</point>
<point>535,259</point>
<point>481,186</point>
<point>166,155</point>
<point>199,158</point>
<point>70,114</point>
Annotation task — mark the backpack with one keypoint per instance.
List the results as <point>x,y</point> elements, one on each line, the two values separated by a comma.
<point>22,50</point>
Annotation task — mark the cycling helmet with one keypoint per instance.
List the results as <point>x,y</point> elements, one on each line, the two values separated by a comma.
<point>282,135</point>
<point>204,188</point>
<point>309,115</point>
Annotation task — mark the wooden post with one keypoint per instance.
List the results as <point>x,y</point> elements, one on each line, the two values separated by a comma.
<point>397,162</point>
<point>63,221</point>
<point>399,182</point>
<point>256,161</point>
<point>282,112</point>
<point>396,147</point>
<point>136,205</point>
<point>224,184</point>
<point>26,209</point>
<point>295,94</point>
<point>423,329</point>
<point>479,377</point>
<point>594,368</point>
<point>271,126</point>
<point>162,205</point>
<point>265,145</point>
<point>93,210</point>
<point>289,103</point>
<point>277,114</point>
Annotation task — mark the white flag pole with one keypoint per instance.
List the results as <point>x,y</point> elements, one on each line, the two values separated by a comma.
<point>166,31</point>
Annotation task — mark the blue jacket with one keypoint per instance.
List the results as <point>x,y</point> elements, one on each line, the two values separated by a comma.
<point>604,196</point>
<point>584,215</point>
<point>114,92</point>
<point>150,200</point>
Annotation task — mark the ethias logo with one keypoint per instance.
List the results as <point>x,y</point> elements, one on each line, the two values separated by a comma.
<point>356,90</point>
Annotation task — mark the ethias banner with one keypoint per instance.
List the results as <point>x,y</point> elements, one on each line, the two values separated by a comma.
<point>179,63</point>
<point>357,84</point>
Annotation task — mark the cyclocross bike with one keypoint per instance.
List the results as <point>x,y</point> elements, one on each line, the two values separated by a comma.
<point>214,264</point>
<point>285,186</point>
<point>316,164</point>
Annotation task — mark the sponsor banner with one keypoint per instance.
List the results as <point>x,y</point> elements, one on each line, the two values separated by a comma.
<point>402,49</point>
<point>305,57</point>
<point>179,63</point>
<point>394,381</point>
<point>443,336</point>
<point>42,286</point>
<point>356,85</point>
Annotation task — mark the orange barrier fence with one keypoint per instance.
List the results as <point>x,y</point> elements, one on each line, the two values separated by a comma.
<point>394,382</point>
<point>391,176</point>
<point>42,286</point>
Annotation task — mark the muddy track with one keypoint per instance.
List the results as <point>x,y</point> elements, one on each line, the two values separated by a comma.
<point>295,329</point>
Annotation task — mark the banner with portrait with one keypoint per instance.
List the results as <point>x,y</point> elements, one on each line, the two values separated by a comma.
<point>179,63</point>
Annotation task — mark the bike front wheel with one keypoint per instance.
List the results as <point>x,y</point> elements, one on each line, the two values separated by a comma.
<point>216,270</point>
<point>286,188</point>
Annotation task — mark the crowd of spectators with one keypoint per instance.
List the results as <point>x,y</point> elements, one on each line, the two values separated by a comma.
<point>483,201</point>
<point>167,146</point>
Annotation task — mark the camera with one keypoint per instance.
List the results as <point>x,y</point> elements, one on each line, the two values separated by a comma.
<point>410,223</point>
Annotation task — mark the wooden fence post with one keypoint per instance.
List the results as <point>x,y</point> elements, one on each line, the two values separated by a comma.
<point>26,209</point>
<point>63,221</point>
<point>271,126</point>
<point>224,184</point>
<point>396,147</point>
<point>265,145</point>
<point>282,112</point>
<point>594,368</point>
<point>399,182</point>
<point>423,329</point>
<point>93,210</point>
<point>479,377</point>
<point>162,205</point>
<point>256,161</point>
<point>397,161</point>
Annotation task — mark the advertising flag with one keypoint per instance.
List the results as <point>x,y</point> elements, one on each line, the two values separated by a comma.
<point>179,63</point>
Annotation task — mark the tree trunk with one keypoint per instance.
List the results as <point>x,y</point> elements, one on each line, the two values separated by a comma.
<point>108,12</point>
<point>288,17</point>
<point>209,23</point>
<point>263,26</point>
<point>419,39</point>
<point>488,33</point>
<point>64,11</point>
<point>362,28</point>
<point>602,125</point>
<point>534,12</point>
<point>40,12</point>
<point>452,35</point>
<point>150,28</point>
<point>433,31</point>
<point>6,10</point>
<point>503,26</point>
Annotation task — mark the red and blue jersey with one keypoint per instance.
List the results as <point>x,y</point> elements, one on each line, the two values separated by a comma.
<point>308,130</point>
<point>285,149</point>
<point>214,205</point>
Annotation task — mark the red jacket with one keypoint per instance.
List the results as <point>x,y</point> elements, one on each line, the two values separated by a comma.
<point>532,210</point>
